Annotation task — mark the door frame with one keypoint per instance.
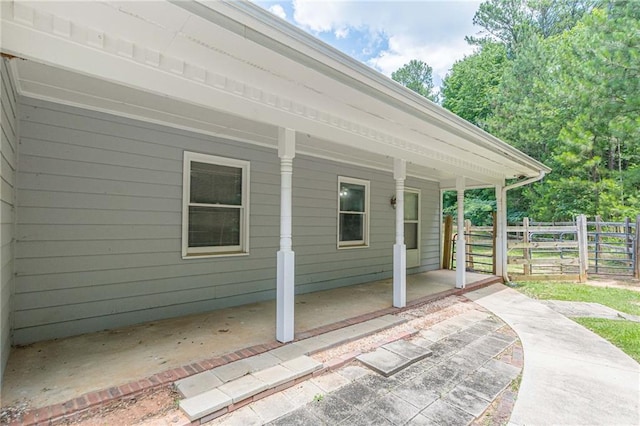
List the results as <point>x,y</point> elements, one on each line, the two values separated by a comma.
<point>413,255</point>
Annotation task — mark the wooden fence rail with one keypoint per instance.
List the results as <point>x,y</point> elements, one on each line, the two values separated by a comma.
<point>553,250</point>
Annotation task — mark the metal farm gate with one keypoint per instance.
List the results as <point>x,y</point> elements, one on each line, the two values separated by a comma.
<point>553,248</point>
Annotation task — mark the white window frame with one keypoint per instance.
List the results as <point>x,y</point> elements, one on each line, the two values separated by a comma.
<point>367,213</point>
<point>202,252</point>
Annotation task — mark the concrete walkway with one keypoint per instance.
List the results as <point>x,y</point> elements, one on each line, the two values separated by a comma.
<point>571,375</point>
<point>587,309</point>
<point>471,357</point>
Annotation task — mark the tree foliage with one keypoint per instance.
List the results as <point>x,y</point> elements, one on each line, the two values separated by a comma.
<point>417,76</point>
<point>470,88</point>
<point>560,80</point>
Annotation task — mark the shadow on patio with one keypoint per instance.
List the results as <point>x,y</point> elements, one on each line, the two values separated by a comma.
<point>55,371</point>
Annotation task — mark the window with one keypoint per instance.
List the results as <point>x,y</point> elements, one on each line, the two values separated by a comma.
<point>353,212</point>
<point>215,215</point>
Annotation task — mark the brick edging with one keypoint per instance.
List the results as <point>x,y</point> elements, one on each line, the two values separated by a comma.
<point>95,400</point>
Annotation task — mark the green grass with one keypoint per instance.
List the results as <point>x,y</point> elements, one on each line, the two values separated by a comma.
<point>623,300</point>
<point>623,334</point>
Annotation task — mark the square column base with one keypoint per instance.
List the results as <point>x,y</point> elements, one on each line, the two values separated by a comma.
<point>461,264</point>
<point>285,296</point>
<point>399,275</point>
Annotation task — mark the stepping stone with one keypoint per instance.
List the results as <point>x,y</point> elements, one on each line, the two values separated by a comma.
<point>302,366</point>
<point>467,400</point>
<point>384,361</point>
<point>275,376</point>
<point>262,361</point>
<point>197,384</point>
<point>440,412</point>
<point>206,403</point>
<point>242,388</point>
<point>408,350</point>
<point>288,352</point>
<point>232,371</point>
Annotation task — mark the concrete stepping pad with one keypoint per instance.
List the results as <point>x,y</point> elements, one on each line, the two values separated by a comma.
<point>393,357</point>
<point>197,384</point>
<point>383,361</point>
<point>243,388</point>
<point>408,350</point>
<point>302,366</point>
<point>205,403</point>
<point>232,371</point>
<point>239,380</point>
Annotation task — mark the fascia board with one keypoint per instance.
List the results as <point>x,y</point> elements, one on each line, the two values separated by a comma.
<point>262,27</point>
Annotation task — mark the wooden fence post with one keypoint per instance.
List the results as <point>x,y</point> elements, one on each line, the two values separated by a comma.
<point>628,239</point>
<point>447,243</point>
<point>494,238</point>
<point>636,272</point>
<point>583,255</point>
<point>597,240</point>
<point>469,246</point>
<point>526,250</point>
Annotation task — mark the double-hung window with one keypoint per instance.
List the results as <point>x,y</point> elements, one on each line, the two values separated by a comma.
<point>353,212</point>
<point>215,216</point>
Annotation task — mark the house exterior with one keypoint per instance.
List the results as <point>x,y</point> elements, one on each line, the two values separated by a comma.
<point>160,159</point>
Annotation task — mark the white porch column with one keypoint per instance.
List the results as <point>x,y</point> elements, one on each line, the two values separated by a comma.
<point>501,222</point>
<point>285,288</point>
<point>460,242</point>
<point>399,248</point>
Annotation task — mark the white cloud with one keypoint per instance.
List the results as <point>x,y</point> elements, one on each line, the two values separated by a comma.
<point>432,31</point>
<point>342,33</point>
<point>440,56</point>
<point>278,10</point>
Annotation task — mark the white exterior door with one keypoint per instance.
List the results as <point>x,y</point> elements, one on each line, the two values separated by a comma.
<point>412,226</point>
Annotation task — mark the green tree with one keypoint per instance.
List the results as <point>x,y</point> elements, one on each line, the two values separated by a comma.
<point>417,76</point>
<point>470,89</point>
<point>572,100</point>
<point>512,22</point>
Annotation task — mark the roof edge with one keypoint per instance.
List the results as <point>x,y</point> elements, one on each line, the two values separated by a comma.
<point>354,72</point>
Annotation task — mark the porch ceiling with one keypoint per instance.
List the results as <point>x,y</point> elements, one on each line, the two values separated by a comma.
<point>232,69</point>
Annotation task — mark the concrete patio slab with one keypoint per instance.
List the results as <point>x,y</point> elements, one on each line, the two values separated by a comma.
<point>205,403</point>
<point>262,361</point>
<point>197,384</point>
<point>467,400</point>
<point>242,388</point>
<point>273,407</point>
<point>443,413</point>
<point>408,350</point>
<point>287,352</point>
<point>302,366</point>
<point>356,393</point>
<point>394,408</point>
<point>302,393</point>
<point>120,356</point>
<point>274,376</point>
<point>332,410</point>
<point>577,376</point>
<point>383,361</point>
<point>417,393</point>
<point>367,418</point>
<point>491,379</point>
<point>232,371</point>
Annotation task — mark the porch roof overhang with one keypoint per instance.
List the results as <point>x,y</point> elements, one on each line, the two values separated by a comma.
<point>234,70</point>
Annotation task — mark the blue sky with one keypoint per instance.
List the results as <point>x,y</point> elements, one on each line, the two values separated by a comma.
<point>387,34</point>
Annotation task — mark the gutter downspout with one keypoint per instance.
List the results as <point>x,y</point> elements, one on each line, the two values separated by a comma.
<point>503,242</point>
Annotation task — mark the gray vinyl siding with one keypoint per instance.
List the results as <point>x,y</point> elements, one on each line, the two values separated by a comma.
<point>99,225</point>
<point>8,149</point>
